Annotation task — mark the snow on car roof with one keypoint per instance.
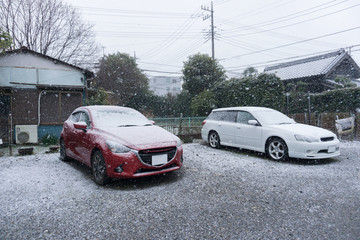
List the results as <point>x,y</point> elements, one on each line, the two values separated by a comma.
<point>104,107</point>
<point>250,109</point>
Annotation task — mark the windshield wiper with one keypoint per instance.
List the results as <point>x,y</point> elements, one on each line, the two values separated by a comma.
<point>285,123</point>
<point>128,125</point>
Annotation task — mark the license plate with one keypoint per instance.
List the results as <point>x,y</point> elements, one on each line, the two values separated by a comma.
<point>159,159</point>
<point>331,149</point>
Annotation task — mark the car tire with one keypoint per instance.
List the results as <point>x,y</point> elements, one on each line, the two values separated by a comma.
<point>277,150</point>
<point>63,156</point>
<point>214,140</point>
<point>99,168</point>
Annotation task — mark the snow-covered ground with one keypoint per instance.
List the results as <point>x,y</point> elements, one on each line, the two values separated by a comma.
<point>218,194</point>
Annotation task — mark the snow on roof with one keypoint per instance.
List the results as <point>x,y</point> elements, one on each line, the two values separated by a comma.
<point>313,66</point>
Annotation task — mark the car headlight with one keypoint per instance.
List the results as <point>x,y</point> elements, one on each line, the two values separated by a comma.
<point>304,138</point>
<point>178,142</point>
<point>117,147</point>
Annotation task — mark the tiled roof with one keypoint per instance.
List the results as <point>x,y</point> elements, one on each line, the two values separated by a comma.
<point>313,66</point>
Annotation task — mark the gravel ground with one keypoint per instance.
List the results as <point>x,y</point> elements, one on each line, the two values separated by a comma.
<point>218,194</point>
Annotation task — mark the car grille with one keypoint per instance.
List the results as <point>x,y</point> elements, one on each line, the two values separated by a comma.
<point>327,139</point>
<point>146,155</point>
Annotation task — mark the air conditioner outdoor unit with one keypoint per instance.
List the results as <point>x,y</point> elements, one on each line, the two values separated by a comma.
<point>26,134</point>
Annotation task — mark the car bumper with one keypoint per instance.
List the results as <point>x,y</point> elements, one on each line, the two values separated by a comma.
<point>129,165</point>
<point>204,135</point>
<point>315,150</point>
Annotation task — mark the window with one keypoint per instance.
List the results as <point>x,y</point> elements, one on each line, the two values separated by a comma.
<point>244,117</point>
<point>227,116</point>
<point>56,106</point>
<point>84,117</point>
<point>75,117</point>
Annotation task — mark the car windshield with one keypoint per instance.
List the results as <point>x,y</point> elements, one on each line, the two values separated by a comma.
<point>119,118</point>
<point>271,117</point>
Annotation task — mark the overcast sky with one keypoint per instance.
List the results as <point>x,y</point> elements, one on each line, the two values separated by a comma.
<point>162,34</point>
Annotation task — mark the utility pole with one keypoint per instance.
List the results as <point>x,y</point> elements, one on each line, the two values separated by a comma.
<point>212,26</point>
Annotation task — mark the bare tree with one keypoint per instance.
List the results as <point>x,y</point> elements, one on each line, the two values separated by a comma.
<point>50,27</point>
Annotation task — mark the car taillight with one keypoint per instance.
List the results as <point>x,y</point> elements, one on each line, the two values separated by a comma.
<point>203,123</point>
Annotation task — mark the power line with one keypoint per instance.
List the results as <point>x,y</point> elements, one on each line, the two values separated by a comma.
<point>259,10</point>
<point>293,24</point>
<point>286,17</point>
<point>132,13</point>
<point>290,44</point>
<point>266,63</point>
<point>172,38</point>
<point>157,71</point>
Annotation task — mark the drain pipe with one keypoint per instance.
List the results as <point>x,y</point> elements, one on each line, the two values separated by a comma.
<point>39,113</point>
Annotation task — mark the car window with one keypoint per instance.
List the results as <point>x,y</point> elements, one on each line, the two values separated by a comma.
<point>75,117</point>
<point>84,117</point>
<point>227,116</point>
<point>244,117</point>
<point>214,116</point>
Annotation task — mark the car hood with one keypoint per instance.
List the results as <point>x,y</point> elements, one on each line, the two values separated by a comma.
<point>141,137</point>
<point>303,129</point>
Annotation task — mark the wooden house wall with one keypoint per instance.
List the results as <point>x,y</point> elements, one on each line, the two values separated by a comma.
<point>24,108</point>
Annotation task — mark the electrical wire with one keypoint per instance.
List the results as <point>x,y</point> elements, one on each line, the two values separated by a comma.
<point>302,41</point>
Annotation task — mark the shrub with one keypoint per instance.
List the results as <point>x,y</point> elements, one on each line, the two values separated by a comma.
<point>49,139</point>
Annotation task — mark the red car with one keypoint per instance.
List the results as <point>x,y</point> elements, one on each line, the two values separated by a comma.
<point>119,142</point>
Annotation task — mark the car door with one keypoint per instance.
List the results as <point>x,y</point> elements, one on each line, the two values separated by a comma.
<point>248,136</point>
<point>70,134</point>
<point>226,128</point>
<point>84,143</point>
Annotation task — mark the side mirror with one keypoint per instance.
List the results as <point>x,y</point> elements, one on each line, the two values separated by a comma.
<point>80,125</point>
<point>152,122</point>
<point>253,122</point>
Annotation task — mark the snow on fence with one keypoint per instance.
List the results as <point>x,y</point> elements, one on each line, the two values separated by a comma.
<point>328,120</point>
<point>345,125</point>
<point>184,127</point>
<point>191,126</point>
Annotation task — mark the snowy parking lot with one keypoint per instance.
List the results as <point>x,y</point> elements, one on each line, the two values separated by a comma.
<point>218,194</point>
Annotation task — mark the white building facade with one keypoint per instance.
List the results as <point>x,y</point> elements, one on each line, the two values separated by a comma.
<point>162,85</point>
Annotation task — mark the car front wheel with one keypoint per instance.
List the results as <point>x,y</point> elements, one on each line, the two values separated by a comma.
<point>63,156</point>
<point>99,169</point>
<point>214,140</point>
<point>277,149</point>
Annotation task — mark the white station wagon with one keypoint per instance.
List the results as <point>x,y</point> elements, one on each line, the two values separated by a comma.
<point>268,131</point>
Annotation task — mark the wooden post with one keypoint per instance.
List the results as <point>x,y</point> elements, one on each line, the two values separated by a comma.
<point>10,134</point>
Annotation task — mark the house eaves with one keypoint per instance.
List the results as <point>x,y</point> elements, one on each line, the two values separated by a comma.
<point>88,74</point>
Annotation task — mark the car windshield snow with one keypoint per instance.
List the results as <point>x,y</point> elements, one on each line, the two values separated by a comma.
<point>269,117</point>
<point>119,118</point>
